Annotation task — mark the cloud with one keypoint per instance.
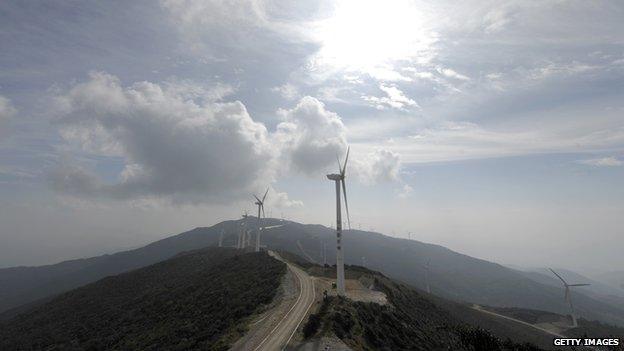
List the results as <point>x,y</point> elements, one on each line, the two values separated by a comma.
<point>281,200</point>
<point>287,91</point>
<point>172,147</point>
<point>405,192</point>
<point>381,165</point>
<point>310,136</point>
<point>6,109</point>
<point>182,143</point>
<point>603,162</point>
<point>395,98</point>
<point>449,73</point>
<point>497,19</point>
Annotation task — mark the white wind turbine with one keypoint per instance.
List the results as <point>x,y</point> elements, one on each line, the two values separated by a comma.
<point>427,276</point>
<point>339,179</point>
<point>260,204</point>
<point>242,232</point>
<point>567,296</point>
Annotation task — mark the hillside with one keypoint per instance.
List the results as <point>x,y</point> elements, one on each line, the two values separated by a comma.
<point>452,275</point>
<point>414,320</point>
<point>196,300</point>
<point>585,327</point>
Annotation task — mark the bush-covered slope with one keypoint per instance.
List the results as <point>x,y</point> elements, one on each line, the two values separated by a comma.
<point>196,300</point>
<point>411,321</point>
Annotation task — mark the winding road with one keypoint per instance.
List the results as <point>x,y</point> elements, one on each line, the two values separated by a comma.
<point>281,334</point>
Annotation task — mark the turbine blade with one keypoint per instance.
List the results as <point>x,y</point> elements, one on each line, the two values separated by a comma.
<point>344,167</point>
<point>262,207</point>
<point>265,194</point>
<point>579,284</point>
<point>344,191</point>
<point>558,276</point>
<point>257,198</point>
<point>339,165</point>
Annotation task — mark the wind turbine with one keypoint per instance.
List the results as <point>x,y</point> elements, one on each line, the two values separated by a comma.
<point>239,237</point>
<point>427,276</point>
<point>242,232</point>
<point>221,237</point>
<point>260,204</point>
<point>567,297</point>
<point>340,179</point>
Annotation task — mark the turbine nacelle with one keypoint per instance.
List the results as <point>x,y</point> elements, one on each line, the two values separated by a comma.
<point>335,177</point>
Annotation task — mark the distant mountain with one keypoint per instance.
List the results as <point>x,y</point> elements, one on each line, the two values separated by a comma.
<point>454,275</point>
<point>195,301</point>
<point>597,290</point>
<point>614,279</point>
<point>451,275</point>
<point>544,275</point>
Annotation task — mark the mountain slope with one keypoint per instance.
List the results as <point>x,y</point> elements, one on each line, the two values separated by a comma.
<point>452,275</point>
<point>196,300</point>
<point>414,320</point>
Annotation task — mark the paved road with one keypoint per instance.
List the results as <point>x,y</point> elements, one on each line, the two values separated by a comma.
<point>479,308</point>
<point>282,333</point>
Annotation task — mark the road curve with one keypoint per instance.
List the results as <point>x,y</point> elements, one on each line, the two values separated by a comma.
<point>282,333</point>
<point>479,308</point>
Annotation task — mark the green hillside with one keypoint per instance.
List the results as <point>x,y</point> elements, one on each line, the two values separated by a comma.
<point>412,320</point>
<point>196,300</point>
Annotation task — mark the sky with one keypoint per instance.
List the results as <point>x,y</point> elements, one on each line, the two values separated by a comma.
<point>494,128</point>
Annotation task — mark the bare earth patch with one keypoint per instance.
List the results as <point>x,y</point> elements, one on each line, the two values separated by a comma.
<point>356,289</point>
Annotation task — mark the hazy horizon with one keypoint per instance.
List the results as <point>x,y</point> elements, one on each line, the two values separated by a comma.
<point>493,128</point>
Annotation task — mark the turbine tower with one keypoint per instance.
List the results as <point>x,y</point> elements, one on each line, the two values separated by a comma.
<point>260,204</point>
<point>427,276</point>
<point>568,298</point>
<point>221,237</point>
<point>339,179</point>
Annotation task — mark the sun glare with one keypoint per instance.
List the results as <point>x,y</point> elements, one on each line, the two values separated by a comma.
<point>363,35</point>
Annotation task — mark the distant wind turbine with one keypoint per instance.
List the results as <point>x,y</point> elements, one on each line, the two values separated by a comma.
<point>260,204</point>
<point>427,276</point>
<point>339,179</point>
<point>242,233</point>
<point>221,237</point>
<point>568,298</point>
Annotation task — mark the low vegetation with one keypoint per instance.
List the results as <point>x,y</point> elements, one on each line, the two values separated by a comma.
<point>196,300</point>
<point>409,322</point>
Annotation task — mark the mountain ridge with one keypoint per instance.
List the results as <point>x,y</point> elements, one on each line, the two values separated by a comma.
<point>452,275</point>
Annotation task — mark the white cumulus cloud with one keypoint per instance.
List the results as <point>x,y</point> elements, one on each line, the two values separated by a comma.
<point>310,136</point>
<point>172,147</point>
<point>380,165</point>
